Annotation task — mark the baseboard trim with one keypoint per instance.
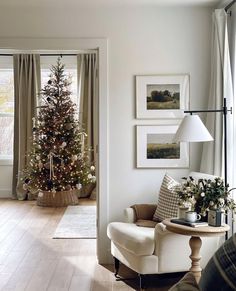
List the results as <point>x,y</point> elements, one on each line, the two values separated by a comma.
<point>5,193</point>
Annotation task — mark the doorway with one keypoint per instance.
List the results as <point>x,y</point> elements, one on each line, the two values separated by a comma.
<point>73,45</point>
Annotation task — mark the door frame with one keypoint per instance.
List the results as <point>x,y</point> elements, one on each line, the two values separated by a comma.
<point>11,45</point>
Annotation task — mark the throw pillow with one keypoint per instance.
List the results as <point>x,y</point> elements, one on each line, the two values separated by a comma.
<point>167,205</point>
<point>220,271</point>
<point>187,283</point>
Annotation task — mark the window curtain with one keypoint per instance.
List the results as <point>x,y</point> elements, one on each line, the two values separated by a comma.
<point>26,87</point>
<point>88,103</point>
<point>212,161</point>
<point>232,52</point>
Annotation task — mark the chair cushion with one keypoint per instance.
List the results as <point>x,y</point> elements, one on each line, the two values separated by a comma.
<point>220,271</point>
<point>167,205</point>
<point>146,223</point>
<point>135,239</point>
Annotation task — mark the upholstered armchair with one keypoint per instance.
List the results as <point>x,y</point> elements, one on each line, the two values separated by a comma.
<point>153,250</point>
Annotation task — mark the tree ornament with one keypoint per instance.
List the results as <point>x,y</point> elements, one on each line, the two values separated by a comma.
<point>40,165</point>
<point>25,187</point>
<point>38,158</point>
<point>69,126</point>
<point>63,144</point>
<point>50,184</point>
<point>74,158</point>
<point>78,186</point>
<point>47,165</point>
<point>49,82</point>
<point>48,99</point>
<point>68,187</point>
<point>27,180</point>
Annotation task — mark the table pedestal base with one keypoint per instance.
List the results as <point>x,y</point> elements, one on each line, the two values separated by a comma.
<point>195,245</point>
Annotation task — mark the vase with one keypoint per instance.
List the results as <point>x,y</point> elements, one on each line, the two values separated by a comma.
<point>215,217</point>
<point>181,211</point>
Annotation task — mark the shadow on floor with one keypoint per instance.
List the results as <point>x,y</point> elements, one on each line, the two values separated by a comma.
<point>162,282</point>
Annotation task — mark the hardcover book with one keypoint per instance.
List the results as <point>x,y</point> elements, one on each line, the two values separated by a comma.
<point>187,223</point>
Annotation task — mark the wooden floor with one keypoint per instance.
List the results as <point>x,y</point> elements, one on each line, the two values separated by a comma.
<point>31,260</point>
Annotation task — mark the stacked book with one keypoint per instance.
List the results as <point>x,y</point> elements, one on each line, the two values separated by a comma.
<point>187,223</point>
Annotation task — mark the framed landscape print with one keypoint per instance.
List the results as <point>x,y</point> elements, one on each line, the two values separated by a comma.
<point>156,149</point>
<point>162,96</point>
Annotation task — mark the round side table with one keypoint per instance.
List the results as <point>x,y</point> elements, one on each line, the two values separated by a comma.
<point>195,241</point>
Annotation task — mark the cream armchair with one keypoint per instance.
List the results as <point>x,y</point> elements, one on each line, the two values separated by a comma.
<point>153,250</point>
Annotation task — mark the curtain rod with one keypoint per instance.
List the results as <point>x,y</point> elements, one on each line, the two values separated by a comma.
<point>50,55</point>
<point>229,5</point>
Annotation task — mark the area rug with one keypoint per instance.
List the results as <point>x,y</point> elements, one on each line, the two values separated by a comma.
<point>77,222</point>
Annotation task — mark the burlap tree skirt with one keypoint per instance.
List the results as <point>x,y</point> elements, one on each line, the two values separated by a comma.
<point>57,199</point>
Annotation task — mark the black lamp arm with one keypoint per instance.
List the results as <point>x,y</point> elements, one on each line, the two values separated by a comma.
<point>224,110</point>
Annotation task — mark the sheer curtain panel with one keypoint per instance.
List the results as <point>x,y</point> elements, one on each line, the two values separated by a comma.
<point>220,87</point>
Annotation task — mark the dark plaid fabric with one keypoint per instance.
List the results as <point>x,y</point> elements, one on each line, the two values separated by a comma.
<point>220,272</point>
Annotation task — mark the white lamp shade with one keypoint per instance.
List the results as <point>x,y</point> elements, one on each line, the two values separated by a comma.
<point>192,129</point>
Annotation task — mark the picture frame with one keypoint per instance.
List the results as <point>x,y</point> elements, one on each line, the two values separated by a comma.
<point>156,149</point>
<point>162,96</point>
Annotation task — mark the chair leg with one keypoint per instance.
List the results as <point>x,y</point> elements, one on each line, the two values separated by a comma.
<point>141,282</point>
<point>117,266</point>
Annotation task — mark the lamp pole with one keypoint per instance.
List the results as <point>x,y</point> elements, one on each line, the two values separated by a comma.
<point>224,110</point>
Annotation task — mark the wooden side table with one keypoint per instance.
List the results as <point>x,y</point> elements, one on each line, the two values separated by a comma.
<point>195,241</point>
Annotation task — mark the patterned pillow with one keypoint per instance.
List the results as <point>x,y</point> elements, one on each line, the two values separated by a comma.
<point>167,205</point>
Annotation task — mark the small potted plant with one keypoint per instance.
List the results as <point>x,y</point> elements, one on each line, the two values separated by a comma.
<point>204,195</point>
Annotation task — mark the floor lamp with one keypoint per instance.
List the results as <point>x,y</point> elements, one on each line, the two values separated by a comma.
<point>192,129</point>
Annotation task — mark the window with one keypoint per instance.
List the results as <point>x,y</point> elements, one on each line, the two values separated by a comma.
<point>7,97</point>
<point>6,109</point>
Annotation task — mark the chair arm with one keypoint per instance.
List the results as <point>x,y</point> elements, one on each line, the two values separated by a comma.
<point>172,250</point>
<point>129,215</point>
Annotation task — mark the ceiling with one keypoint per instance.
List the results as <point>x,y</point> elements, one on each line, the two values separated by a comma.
<point>92,3</point>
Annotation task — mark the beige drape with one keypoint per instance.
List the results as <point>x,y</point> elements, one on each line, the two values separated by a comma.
<point>88,93</point>
<point>88,98</point>
<point>26,87</point>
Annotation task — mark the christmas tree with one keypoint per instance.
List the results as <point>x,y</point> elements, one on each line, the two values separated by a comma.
<point>59,159</point>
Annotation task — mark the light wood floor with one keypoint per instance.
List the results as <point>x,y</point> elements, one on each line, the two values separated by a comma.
<point>31,260</point>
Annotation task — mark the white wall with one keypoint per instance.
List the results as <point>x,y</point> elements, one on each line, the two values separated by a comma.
<point>151,40</point>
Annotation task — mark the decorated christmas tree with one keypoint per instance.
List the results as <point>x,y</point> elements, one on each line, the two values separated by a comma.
<point>59,159</point>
